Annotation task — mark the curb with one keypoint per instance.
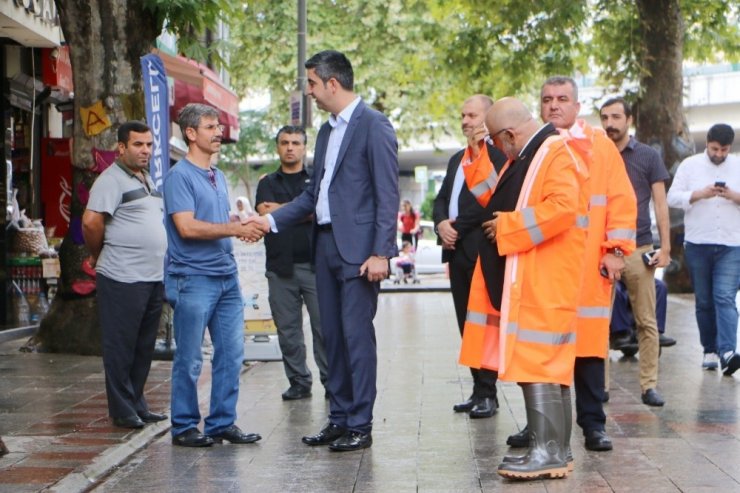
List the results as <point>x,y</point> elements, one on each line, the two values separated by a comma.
<point>79,481</point>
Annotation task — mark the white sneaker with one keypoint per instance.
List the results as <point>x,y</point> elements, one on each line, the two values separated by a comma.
<point>711,361</point>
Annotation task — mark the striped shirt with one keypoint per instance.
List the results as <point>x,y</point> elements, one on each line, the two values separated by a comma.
<point>644,167</point>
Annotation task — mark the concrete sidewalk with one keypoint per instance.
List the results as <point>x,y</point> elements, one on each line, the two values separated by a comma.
<point>61,440</point>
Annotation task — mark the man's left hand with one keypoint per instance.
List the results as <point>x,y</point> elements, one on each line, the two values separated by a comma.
<point>489,228</point>
<point>376,268</point>
<point>661,259</point>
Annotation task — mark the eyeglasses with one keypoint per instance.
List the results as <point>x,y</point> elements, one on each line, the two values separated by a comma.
<point>213,127</point>
<point>500,131</point>
<point>212,178</point>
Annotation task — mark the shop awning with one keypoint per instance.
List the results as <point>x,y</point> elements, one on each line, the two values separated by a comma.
<point>196,83</point>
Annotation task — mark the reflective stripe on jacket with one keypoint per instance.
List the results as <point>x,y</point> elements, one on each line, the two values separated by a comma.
<point>612,219</point>
<point>544,253</point>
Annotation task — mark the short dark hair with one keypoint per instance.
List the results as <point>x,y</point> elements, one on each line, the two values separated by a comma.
<point>291,129</point>
<point>131,126</point>
<point>618,100</point>
<point>332,64</point>
<point>561,80</point>
<point>722,134</point>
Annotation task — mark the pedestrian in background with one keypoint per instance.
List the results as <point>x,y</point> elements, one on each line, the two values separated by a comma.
<point>408,223</point>
<point>289,268</point>
<point>707,188</point>
<point>202,284</point>
<point>124,233</point>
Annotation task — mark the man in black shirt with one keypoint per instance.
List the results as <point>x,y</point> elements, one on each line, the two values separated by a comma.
<point>290,275</point>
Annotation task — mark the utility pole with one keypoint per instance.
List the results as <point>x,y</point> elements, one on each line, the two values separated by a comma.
<point>301,80</point>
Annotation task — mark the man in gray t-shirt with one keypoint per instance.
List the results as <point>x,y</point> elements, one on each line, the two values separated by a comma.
<point>124,231</point>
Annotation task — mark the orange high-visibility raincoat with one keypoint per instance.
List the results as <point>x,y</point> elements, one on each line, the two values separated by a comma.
<point>612,220</point>
<point>544,241</point>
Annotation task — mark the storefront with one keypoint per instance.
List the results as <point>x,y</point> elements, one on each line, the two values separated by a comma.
<point>29,30</point>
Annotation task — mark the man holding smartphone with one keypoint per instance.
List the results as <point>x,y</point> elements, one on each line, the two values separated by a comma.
<point>707,188</point>
<point>648,175</point>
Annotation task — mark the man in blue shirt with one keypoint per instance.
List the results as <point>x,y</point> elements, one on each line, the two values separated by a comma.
<point>202,284</point>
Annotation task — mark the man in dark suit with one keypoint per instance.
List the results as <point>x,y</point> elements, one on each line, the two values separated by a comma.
<point>354,198</point>
<point>457,222</point>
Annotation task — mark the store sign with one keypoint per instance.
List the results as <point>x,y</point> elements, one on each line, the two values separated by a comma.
<point>56,68</point>
<point>45,10</point>
<point>56,184</point>
<point>156,102</point>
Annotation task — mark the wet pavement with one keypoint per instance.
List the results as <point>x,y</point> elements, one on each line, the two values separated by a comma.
<point>53,419</point>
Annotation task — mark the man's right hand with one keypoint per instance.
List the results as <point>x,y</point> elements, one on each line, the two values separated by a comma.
<point>254,228</point>
<point>448,234</point>
<point>705,193</point>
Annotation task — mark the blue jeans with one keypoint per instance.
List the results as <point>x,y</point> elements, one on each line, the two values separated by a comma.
<point>715,272</point>
<point>215,302</point>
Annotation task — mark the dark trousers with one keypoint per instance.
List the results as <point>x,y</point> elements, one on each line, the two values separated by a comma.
<point>589,384</point>
<point>129,319</point>
<point>461,276</point>
<point>347,305</point>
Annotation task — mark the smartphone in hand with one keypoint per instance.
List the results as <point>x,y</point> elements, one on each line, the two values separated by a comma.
<point>720,184</point>
<point>647,257</point>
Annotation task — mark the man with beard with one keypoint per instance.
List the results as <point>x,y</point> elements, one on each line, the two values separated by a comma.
<point>289,270</point>
<point>457,218</point>
<point>202,284</point>
<point>707,187</point>
<point>648,176</point>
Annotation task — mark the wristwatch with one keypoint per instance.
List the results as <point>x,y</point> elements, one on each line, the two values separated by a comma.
<point>616,251</point>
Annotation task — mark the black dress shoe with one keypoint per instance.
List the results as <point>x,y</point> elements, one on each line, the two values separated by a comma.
<point>484,408</point>
<point>598,441</point>
<point>150,417</point>
<point>651,397</point>
<point>619,343</point>
<point>296,392</point>
<point>128,422</point>
<point>354,440</point>
<point>327,435</point>
<point>520,439</point>
<point>465,407</point>
<point>235,435</point>
<point>192,438</point>
<point>666,341</point>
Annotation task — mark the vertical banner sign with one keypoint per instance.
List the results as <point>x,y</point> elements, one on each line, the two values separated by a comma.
<point>156,102</point>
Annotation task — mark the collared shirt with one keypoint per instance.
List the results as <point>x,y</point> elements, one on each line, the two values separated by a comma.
<point>457,185</point>
<point>339,125</point>
<point>644,168</point>
<point>135,239</point>
<point>712,221</point>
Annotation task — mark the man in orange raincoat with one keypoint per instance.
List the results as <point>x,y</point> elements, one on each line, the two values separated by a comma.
<point>522,309</point>
<point>612,218</point>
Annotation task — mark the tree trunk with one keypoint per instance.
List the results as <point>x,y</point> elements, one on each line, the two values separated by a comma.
<point>106,39</point>
<point>660,118</point>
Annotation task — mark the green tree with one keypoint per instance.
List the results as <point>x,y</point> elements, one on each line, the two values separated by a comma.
<point>418,59</point>
<point>255,139</point>
<point>107,39</point>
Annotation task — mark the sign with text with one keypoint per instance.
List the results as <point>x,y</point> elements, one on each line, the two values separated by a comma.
<point>156,102</point>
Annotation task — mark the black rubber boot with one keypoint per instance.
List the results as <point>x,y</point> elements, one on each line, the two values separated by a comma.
<point>545,418</point>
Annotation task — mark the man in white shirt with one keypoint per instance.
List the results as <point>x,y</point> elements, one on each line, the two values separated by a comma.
<point>707,187</point>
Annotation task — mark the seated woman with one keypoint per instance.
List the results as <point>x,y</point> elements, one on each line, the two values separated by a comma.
<point>404,267</point>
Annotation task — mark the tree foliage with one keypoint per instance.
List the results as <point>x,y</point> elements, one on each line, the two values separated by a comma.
<point>418,59</point>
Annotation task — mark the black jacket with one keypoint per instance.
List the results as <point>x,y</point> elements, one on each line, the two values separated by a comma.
<point>470,212</point>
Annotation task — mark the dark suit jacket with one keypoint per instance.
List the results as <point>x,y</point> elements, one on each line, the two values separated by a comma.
<point>470,212</point>
<point>504,200</point>
<point>363,192</point>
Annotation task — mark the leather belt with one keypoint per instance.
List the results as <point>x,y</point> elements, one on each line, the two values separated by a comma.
<point>324,227</point>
